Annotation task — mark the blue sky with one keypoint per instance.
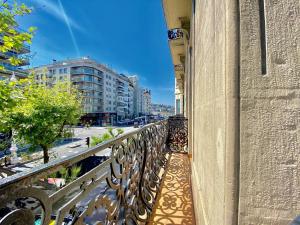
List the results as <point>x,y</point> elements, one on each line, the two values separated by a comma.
<point>129,36</point>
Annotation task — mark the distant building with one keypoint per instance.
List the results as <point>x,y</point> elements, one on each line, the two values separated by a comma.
<point>163,110</point>
<point>11,69</point>
<point>108,97</point>
<point>137,106</point>
<point>141,98</point>
<point>146,102</point>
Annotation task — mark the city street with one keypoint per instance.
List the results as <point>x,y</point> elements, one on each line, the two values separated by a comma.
<point>71,148</point>
<point>80,135</point>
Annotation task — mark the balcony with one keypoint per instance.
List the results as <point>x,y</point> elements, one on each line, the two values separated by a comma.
<point>81,70</point>
<point>25,49</point>
<point>136,184</point>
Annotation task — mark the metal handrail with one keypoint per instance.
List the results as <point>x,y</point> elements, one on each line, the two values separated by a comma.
<point>133,169</point>
<point>131,176</point>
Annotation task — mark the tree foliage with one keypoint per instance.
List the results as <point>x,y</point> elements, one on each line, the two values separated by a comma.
<point>13,38</point>
<point>40,114</point>
<point>111,133</point>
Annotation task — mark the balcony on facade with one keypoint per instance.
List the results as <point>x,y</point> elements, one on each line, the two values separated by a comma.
<point>9,70</point>
<point>120,89</point>
<point>24,50</point>
<point>86,70</point>
<point>88,86</point>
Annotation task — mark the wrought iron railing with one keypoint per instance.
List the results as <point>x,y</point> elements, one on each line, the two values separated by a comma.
<point>119,189</point>
<point>178,134</point>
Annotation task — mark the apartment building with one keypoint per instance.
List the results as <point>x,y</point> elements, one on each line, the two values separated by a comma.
<point>10,69</point>
<point>136,95</point>
<point>108,97</point>
<point>146,101</point>
<point>162,110</point>
<point>141,98</point>
<point>86,74</point>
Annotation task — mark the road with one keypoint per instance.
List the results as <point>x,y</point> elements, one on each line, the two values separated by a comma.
<point>66,150</point>
<point>74,147</point>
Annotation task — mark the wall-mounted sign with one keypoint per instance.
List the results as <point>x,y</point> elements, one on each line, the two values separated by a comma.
<point>175,34</point>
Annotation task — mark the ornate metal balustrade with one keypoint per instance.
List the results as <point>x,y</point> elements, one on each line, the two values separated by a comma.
<point>120,190</point>
<point>178,134</point>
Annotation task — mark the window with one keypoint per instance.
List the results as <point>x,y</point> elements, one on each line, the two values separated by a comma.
<point>52,71</point>
<point>88,78</point>
<point>65,70</point>
<point>88,70</point>
<point>61,71</point>
<point>177,106</point>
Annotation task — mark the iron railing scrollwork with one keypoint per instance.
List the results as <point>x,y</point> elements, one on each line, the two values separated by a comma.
<point>178,133</point>
<point>120,190</point>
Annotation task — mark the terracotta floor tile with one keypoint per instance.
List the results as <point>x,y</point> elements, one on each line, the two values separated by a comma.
<point>174,205</point>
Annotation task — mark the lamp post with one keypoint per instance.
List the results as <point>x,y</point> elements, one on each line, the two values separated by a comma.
<point>13,148</point>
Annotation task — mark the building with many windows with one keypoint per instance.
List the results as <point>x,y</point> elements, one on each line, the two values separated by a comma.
<point>86,74</point>
<point>108,97</point>
<point>22,54</point>
<point>162,110</point>
<point>146,101</point>
<point>136,95</point>
<point>141,98</point>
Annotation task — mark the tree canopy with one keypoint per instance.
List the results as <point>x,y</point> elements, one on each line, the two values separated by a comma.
<point>12,37</point>
<point>39,114</point>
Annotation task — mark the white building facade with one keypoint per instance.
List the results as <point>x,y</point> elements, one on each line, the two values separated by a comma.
<point>108,97</point>
<point>146,102</point>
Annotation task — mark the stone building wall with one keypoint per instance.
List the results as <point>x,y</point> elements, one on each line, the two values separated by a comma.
<point>270,112</point>
<point>215,111</point>
<point>244,111</point>
<point>242,101</point>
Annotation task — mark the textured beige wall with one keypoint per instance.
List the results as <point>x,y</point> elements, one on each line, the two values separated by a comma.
<point>214,105</point>
<point>270,114</point>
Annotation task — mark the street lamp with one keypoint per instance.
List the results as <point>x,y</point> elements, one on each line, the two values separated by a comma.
<point>13,148</point>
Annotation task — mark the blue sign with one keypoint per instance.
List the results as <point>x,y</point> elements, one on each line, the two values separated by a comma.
<point>175,34</point>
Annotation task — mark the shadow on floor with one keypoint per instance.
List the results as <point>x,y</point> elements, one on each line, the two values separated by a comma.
<point>174,204</point>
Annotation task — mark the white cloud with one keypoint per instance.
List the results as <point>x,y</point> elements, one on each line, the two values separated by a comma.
<point>69,25</point>
<point>56,11</point>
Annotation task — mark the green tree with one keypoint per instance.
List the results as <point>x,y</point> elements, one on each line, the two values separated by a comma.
<point>111,133</point>
<point>9,96</point>
<point>42,113</point>
<point>13,38</point>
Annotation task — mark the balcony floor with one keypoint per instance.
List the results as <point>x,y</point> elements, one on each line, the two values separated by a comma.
<point>174,204</point>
